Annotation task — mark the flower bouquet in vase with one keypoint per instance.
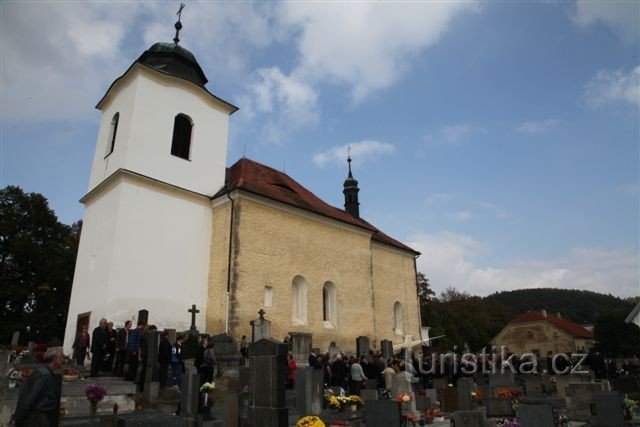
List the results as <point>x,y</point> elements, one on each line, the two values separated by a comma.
<point>95,393</point>
<point>206,390</point>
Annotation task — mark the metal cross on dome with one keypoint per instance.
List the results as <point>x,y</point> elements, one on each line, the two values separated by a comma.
<point>178,25</point>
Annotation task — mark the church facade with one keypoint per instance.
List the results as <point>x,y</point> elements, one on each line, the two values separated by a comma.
<point>167,225</point>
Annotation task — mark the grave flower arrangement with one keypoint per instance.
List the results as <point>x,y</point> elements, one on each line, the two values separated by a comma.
<point>310,421</point>
<point>631,407</point>
<point>95,393</point>
<point>506,422</point>
<point>510,393</point>
<point>409,418</point>
<point>404,398</point>
<point>70,374</point>
<point>207,393</point>
<point>342,402</point>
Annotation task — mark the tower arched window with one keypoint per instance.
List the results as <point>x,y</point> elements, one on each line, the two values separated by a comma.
<point>398,318</point>
<point>268,296</point>
<point>330,305</point>
<point>113,130</point>
<point>181,142</point>
<point>299,301</point>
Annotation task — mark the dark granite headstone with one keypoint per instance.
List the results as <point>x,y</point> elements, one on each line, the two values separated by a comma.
<point>189,394</point>
<point>227,356</point>
<point>498,406</point>
<point>143,316</point>
<point>608,409</point>
<point>581,399</point>
<point>469,418</point>
<point>267,405</point>
<point>423,403</point>
<point>449,399</point>
<point>309,386</point>
<point>362,346</point>
<point>535,415</point>
<point>386,347</point>
<point>366,394</point>
<point>151,384</point>
<point>625,385</point>
<point>532,385</point>
<point>382,413</point>
<point>502,379</point>
<point>464,387</point>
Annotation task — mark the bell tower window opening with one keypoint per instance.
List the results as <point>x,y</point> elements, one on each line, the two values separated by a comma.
<point>113,130</point>
<point>181,142</point>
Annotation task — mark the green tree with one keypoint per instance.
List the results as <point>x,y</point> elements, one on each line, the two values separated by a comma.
<point>425,293</point>
<point>615,337</point>
<point>37,260</point>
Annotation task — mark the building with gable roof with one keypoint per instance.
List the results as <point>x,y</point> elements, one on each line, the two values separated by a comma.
<point>167,225</point>
<point>540,332</point>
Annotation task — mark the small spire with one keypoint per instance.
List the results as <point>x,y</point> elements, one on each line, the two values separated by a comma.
<point>178,25</point>
<point>349,161</point>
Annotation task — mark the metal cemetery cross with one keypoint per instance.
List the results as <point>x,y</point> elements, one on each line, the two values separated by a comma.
<point>193,312</point>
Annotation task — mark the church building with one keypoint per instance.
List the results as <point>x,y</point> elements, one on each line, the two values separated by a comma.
<point>168,225</point>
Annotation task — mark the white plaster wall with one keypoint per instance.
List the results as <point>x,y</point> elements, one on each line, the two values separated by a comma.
<point>148,102</point>
<point>153,253</point>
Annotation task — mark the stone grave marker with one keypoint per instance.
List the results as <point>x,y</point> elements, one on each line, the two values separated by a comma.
<point>366,394</point>
<point>469,418</point>
<point>143,316</point>
<point>402,384</point>
<point>309,387</point>
<point>151,385</point>
<point>423,403</point>
<point>533,385</point>
<point>371,384</point>
<point>300,347</point>
<point>190,395</point>
<point>535,415</point>
<point>432,395</point>
<point>439,383</point>
<point>464,387</point>
<point>15,339</point>
<point>231,409</point>
<point>625,385</point>
<point>382,413</point>
<point>387,349</point>
<point>228,357</point>
<point>362,346</point>
<point>608,409</point>
<point>502,379</point>
<point>498,407</point>
<point>193,310</point>
<point>267,404</point>
<point>581,399</point>
<point>449,399</point>
<point>260,327</point>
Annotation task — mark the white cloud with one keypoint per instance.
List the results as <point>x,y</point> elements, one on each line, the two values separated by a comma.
<point>538,126</point>
<point>461,215</point>
<point>449,259</point>
<point>361,152</point>
<point>620,16</point>
<point>453,134</point>
<point>366,45</point>
<point>613,87</point>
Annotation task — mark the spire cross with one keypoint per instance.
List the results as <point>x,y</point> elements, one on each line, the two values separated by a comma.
<point>349,158</point>
<point>178,25</point>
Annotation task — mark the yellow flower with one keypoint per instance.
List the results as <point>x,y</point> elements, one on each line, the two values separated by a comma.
<point>310,421</point>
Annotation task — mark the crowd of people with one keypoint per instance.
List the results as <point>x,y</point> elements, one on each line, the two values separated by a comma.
<point>124,353</point>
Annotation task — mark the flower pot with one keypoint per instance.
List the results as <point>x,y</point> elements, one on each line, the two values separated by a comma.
<point>353,408</point>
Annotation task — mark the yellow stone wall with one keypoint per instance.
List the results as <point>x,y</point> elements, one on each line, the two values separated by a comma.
<point>271,246</point>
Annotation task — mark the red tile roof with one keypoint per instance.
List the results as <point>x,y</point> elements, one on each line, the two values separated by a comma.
<point>568,326</point>
<point>256,178</point>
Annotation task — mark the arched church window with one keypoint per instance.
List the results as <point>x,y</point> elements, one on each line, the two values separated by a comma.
<point>181,142</point>
<point>330,305</point>
<point>398,318</point>
<point>299,301</point>
<point>268,296</point>
<point>113,130</point>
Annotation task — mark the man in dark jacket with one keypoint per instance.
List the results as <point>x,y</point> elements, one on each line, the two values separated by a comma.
<point>164,359</point>
<point>39,398</point>
<point>99,340</point>
<point>121,348</point>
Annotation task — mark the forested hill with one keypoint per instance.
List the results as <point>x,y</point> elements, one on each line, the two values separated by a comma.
<point>579,306</point>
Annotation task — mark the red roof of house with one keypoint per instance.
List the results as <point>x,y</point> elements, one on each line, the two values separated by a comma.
<point>256,178</point>
<point>568,326</point>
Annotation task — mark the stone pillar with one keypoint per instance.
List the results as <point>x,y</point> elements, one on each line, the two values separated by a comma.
<point>260,328</point>
<point>300,347</point>
<point>267,404</point>
<point>151,384</point>
<point>190,395</point>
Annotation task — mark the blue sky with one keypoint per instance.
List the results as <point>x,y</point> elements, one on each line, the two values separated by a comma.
<point>500,139</point>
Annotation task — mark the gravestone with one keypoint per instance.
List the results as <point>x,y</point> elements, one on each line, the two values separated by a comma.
<point>151,384</point>
<point>469,418</point>
<point>581,399</point>
<point>387,349</point>
<point>608,409</point>
<point>260,328</point>
<point>502,379</point>
<point>402,384</point>
<point>432,395</point>
<point>464,387</point>
<point>449,399</point>
<point>300,347</point>
<point>231,413</point>
<point>535,415</point>
<point>228,358</point>
<point>190,395</point>
<point>362,346</point>
<point>382,413</point>
<point>423,403</point>
<point>625,385</point>
<point>369,394</point>
<point>15,339</point>
<point>498,407</point>
<point>439,383</point>
<point>371,384</point>
<point>309,386</point>
<point>143,317</point>
<point>533,385</point>
<point>267,405</point>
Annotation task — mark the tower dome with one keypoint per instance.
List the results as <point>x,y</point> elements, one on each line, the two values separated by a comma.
<point>173,59</point>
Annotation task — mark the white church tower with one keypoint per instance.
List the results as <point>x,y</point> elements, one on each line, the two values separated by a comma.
<point>160,157</point>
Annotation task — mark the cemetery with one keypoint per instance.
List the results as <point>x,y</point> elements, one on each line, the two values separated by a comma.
<point>256,393</point>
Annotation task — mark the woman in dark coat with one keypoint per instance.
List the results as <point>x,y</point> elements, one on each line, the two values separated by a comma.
<point>81,346</point>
